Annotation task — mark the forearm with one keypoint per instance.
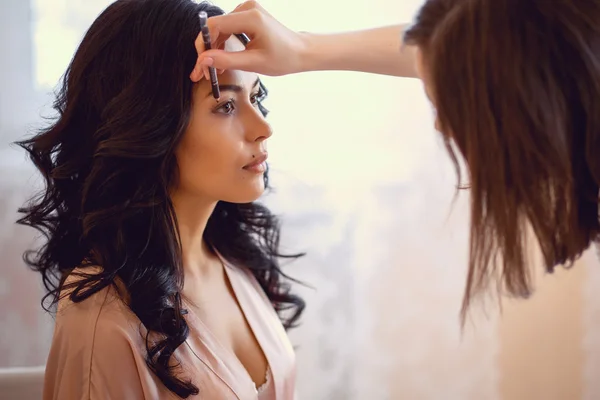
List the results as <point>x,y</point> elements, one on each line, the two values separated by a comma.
<point>378,51</point>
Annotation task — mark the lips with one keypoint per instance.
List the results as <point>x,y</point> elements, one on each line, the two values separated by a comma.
<point>258,161</point>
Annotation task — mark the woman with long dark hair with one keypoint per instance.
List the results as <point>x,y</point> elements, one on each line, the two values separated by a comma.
<point>164,270</point>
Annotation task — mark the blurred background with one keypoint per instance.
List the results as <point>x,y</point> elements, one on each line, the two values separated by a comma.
<point>363,184</point>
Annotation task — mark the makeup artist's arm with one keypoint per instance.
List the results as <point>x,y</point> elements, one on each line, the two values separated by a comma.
<point>378,51</point>
<point>277,50</point>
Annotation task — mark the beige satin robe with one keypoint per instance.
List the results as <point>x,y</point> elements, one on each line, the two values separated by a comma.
<point>98,352</point>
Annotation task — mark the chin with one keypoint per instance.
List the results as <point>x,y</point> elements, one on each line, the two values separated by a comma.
<point>247,196</point>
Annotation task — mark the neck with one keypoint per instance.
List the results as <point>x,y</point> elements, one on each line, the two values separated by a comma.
<point>192,216</point>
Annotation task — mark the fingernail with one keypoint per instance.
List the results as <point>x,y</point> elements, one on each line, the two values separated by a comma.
<point>207,62</point>
<point>206,73</point>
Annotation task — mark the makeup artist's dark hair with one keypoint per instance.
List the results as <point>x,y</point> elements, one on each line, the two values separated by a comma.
<point>108,162</point>
<point>516,85</point>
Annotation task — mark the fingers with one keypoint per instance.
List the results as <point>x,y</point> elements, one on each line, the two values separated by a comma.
<point>199,72</point>
<point>221,31</point>
<point>247,18</point>
<point>252,5</point>
<point>249,22</point>
<point>247,60</point>
<point>248,5</point>
<point>201,68</point>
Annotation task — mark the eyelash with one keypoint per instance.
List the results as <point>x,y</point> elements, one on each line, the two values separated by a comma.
<point>260,97</point>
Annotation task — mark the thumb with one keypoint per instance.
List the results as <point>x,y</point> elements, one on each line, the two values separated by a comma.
<point>245,60</point>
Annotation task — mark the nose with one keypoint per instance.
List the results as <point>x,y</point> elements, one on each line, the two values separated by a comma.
<point>258,129</point>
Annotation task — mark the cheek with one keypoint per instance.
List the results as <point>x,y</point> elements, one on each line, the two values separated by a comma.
<point>202,153</point>
<point>210,158</point>
<point>208,155</point>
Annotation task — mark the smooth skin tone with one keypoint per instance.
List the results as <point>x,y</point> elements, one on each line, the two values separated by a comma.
<point>221,157</point>
<point>276,50</point>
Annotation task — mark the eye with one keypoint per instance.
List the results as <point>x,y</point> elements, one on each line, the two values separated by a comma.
<point>226,108</point>
<point>257,100</point>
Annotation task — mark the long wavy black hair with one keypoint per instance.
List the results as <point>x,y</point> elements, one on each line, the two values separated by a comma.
<point>108,163</point>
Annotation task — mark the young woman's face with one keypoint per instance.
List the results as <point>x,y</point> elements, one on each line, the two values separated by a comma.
<point>223,152</point>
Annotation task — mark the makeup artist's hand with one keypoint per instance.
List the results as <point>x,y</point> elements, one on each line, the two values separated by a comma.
<point>273,50</point>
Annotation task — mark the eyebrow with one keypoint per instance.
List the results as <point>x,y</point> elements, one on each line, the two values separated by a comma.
<point>234,88</point>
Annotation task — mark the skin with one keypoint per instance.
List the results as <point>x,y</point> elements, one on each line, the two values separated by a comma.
<point>222,137</point>
<point>277,50</point>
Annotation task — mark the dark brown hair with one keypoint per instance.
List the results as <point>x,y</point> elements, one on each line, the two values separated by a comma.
<point>516,85</point>
<point>108,163</point>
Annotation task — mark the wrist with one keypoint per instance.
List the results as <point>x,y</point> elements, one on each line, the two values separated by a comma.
<point>311,54</point>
